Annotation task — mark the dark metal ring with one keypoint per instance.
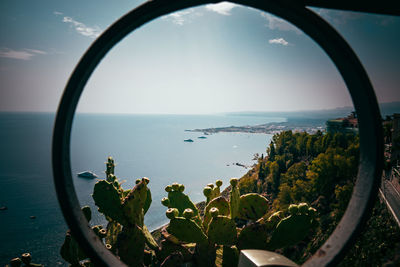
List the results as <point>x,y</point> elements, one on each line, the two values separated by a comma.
<point>354,75</point>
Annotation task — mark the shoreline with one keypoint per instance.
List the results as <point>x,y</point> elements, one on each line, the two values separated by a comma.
<point>268,128</point>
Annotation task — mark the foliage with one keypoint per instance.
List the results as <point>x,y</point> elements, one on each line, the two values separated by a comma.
<point>314,168</point>
<point>379,242</point>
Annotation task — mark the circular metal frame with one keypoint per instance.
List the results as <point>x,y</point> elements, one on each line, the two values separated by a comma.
<point>347,63</point>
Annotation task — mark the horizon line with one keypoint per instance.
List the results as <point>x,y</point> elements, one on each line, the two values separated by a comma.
<point>204,113</point>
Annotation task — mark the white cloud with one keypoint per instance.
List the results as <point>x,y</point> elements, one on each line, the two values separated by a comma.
<point>223,8</point>
<point>182,17</point>
<point>280,41</point>
<point>275,23</point>
<point>179,17</point>
<point>35,51</point>
<point>24,54</point>
<point>57,13</point>
<point>82,29</point>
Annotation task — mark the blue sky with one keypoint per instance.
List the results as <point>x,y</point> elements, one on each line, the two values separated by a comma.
<point>213,58</point>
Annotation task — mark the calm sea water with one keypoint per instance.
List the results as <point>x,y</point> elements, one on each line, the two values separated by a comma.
<point>142,145</point>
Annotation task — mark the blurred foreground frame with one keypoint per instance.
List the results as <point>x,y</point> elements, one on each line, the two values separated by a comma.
<point>293,11</point>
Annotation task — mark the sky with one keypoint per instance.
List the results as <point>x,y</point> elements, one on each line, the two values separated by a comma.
<point>212,58</point>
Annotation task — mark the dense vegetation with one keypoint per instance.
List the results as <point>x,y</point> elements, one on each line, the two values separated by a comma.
<point>320,169</point>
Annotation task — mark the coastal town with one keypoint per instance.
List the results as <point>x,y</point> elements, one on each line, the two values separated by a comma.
<point>268,128</point>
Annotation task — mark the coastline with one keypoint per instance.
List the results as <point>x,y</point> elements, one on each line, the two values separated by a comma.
<point>310,127</point>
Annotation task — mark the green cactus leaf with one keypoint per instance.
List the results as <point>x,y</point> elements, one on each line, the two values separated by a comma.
<point>290,231</point>
<point>149,239</point>
<point>222,231</point>
<point>230,256</point>
<point>234,199</point>
<point>130,246</point>
<point>252,206</point>
<point>113,230</point>
<point>216,192</point>
<point>108,199</point>
<point>133,204</point>
<point>221,204</point>
<point>186,230</point>
<point>181,201</point>
<point>87,212</point>
<point>70,250</point>
<point>147,203</point>
<point>253,236</point>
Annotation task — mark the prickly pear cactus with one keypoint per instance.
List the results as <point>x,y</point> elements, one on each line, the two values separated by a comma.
<point>110,169</point>
<point>221,204</point>
<point>26,258</point>
<point>177,199</point>
<point>208,192</point>
<point>130,246</point>
<point>293,228</point>
<point>113,230</point>
<point>149,239</point>
<point>253,236</point>
<point>211,191</point>
<point>126,233</point>
<point>185,229</point>
<point>221,230</point>
<point>252,206</point>
<point>148,201</point>
<point>133,204</point>
<point>108,198</point>
<point>234,198</point>
<point>71,251</point>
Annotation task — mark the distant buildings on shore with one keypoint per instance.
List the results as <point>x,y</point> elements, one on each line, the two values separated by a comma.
<point>348,124</point>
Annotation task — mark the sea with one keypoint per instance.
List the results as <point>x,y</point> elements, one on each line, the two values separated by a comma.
<point>142,145</point>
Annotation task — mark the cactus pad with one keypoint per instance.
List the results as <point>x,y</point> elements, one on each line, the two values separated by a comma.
<point>113,230</point>
<point>179,200</point>
<point>234,198</point>
<point>134,203</point>
<point>108,199</point>
<point>292,229</point>
<point>130,246</point>
<point>223,206</point>
<point>222,231</point>
<point>186,230</point>
<point>252,206</point>
<point>253,236</point>
<point>149,239</point>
